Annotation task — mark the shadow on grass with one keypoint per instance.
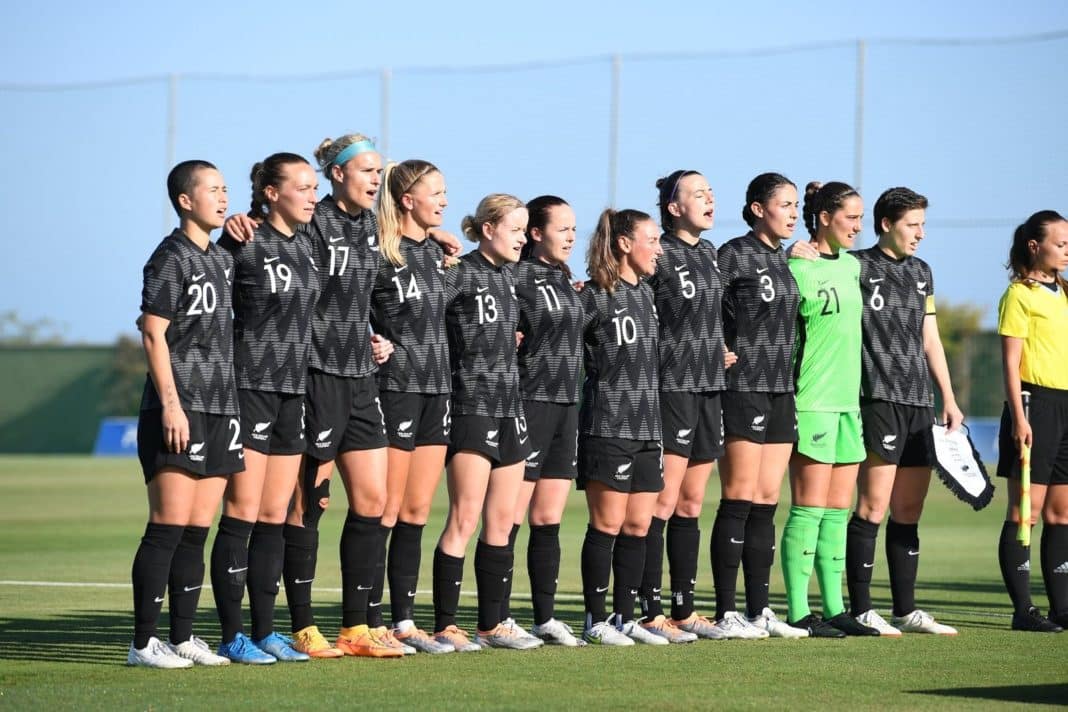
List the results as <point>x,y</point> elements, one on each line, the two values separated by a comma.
<point>1048,694</point>
<point>103,637</point>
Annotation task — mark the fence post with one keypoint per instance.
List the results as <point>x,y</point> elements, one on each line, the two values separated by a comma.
<point>858,119</point>
<point>613,130</point>
<point>170,143</point>
<point>383,120</point>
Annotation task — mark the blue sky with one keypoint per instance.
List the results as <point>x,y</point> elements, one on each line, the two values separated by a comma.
<point>978,128</point>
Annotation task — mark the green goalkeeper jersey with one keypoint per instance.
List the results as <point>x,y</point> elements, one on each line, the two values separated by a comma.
<point>827,363</point>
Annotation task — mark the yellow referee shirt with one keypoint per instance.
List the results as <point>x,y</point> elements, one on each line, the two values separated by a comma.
<point>1034,313</point>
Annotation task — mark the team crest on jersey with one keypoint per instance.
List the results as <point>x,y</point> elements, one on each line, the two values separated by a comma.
<point>372,242</point>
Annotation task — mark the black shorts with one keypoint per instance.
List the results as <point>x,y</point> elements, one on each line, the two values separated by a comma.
<point>898,433</point>
<point>342,414</point>
<point>416,419</point>
<point>271,422</point>
<point>692,424</point>
<point>553,429</point>
<point>623,465</point>
<point>505,441</point>
<point>760,417</point>
<point>1049,438</point>
<point>214,445</point>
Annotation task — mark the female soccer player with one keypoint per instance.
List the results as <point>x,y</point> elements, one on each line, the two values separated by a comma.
<point>1033,323</point>
<point>489,440</point>
<point>408,308</point>
<point>823,469</point>
<point>760,301</point>
<point>276,287</point>
<point>549,361</point>
<point>188,430</point>
<point>619,422</point>
<point>693,361</point>
<point>902,352</point>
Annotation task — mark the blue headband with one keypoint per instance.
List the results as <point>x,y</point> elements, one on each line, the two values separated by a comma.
<point>353,149</point>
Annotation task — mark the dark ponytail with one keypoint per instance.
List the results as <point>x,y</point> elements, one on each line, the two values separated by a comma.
<point>267,172</point>
<point>539,209</point>
<point>821,198</point>
<point>761,190</point>
<point>667,190</point>
<point>1036,227</point>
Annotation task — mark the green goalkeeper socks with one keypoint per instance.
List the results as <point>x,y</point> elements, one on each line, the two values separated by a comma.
<point>830,559</point>
<point>799,538</point>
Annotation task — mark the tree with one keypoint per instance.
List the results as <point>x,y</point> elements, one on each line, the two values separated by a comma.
<point>128,377</point>
<point>16,331</point>
<point>959,325</point>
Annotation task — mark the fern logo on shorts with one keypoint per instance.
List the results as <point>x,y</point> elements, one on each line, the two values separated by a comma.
<point>888,443</point>
<point>817,437</point>
<point>258,431</point>
<point>622,471</point>
<point>491,438</point>
<point>322,441</point>
<point>758,424</point>
<point>194,452</point>
<point>404,429</point>
<point>682,436</point>
<point>532,458</point>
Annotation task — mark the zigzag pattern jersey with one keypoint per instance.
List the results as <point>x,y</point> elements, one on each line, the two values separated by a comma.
<point>408,308</point>
<point>898,295</point>
<point>481,318</point>
<point>621,392</point>
<point>191,288</point>
<point>346,252</point>
<point>828,355</point>
<point>688,291</point>
<point>276,288</point>
<point>550,319</point>
<point>760,300</point>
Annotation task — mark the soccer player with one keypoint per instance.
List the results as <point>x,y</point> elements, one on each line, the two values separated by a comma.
<point>549,361</point>
<point>276,287</point>
<point>188,432</point>
<point>620,459</point>
<point>760,301</point>
<point>408,309</point>
<point>489,440</point>
<point>830,447</point>
<point>693,361</point>
<point>902,352</point>
<point>1033,323</point>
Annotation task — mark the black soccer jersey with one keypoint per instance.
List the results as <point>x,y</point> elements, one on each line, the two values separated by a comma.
<point>346,253</point>
<point>408,308</point>
<point>621,391</point>
<point>276,288</point>
<point>550,319</point>
<point>482,317</point>
<point>191,288</point>
<point>688,294</point>
<point>898,295</point>
<point>760,300</point>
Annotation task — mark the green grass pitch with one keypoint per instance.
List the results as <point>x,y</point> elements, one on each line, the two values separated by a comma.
<point>76,521</point>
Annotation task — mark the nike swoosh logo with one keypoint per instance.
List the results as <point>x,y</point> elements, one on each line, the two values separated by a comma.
<point>198,277</point>
<point>374,605</point>
<point>913,553</point>
<point>158,599</point>
<point>681,268</point>
<point>303,580</point>
<point>869,566</point>
<point>457,583</point>
<point>363,588</point>
<point>398,270</point>
<point>736,541</point>
<point>540,281</point>
<point>762,271</point>
<point>271,259</point>
<point>600,589</point>
<point>411,594</point>
<point>231,570</point>
<point>337,239</point>
<point>806,552</point>
<point>480,290</point>
<point>522,440</point>
<point>873,280</point>
<point>187,589</point>
<point>620,311</point>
